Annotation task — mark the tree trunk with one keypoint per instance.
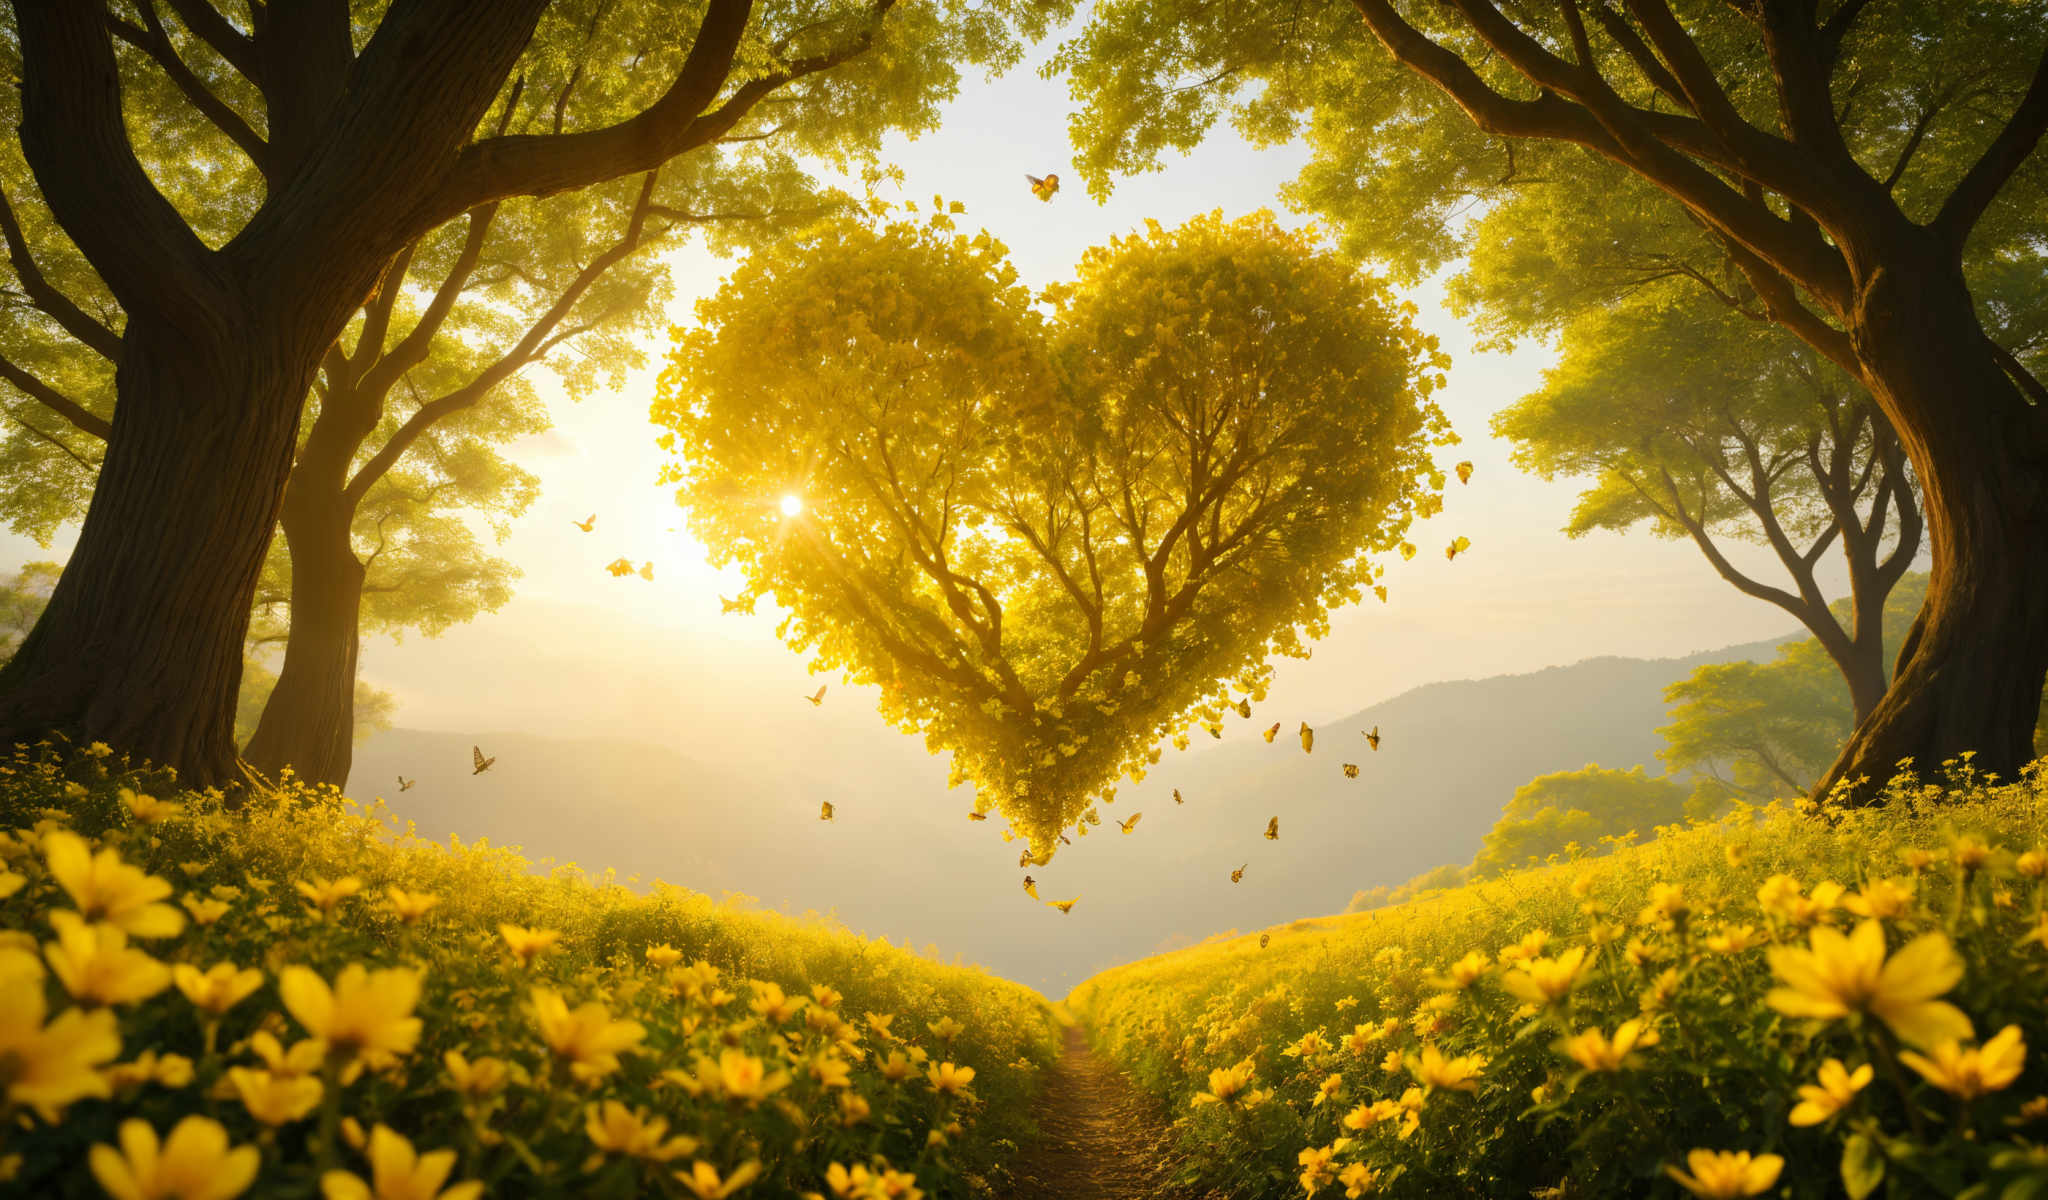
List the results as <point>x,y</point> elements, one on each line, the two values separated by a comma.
<point>1863,669</point>
<point>308,723</point>
<point>141,645</point>
<point>1970,671</point>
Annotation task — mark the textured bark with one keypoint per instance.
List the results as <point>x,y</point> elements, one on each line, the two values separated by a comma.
<point>308,724</point>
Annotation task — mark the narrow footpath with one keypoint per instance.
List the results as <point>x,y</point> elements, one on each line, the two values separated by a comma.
<point>1099,1139</point>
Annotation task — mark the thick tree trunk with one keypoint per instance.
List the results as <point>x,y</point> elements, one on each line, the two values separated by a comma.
<point>308,723</point>
<point>1971,670</point>
<point>141,644</point>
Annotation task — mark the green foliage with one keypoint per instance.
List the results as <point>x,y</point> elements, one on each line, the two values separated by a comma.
<point>1566,812</point>
<point>1053,540</point>
<point>374,707</point>
<point>1331,1026</point>
<point>1435,879</point>
<point>22,599</point>
<point>1761,730</point>
<point>840,1001</point>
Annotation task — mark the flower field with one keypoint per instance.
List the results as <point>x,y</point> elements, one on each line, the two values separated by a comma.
<point>1779,1003</point>
<point>299,1000</point>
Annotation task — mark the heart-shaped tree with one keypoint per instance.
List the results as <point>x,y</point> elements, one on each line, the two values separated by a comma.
<point>1054,538</point>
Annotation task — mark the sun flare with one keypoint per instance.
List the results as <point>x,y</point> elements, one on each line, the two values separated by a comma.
<point>792,505</point>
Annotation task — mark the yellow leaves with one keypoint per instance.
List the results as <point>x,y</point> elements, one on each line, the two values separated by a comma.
<point>194,1163</point>
<point>1458,546</point>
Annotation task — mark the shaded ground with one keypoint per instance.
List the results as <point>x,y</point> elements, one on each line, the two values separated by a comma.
<point>1099,1139</point>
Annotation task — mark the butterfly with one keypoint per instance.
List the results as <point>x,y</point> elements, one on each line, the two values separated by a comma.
<point>404,784</point>
<point>1464,470</point>
<point>1176,797</point>
<point>1244,708</point>
<point>1031,887</point>
<point>1265,939</point>
<point>976,816</point>
<point>1350,770</point>
<point>1373,738</point>
<point>1270,732</point>
<point>647,571</point>
<point>1043,188</point>
<point>619,566</point>
<point>1065,906</point>
<point>586,525</point>
<point>825,811</point>
<point>1308,739</point>
<point>476,756</point>
<point>1458,546</point>
<point>1273,830</point>
<point>817,698</point>
<point>1237,876</point>
<point>1132,823</point>
<point>1216,731</point>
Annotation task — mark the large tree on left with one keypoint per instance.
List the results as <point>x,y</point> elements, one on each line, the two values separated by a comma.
<point>370,125</point>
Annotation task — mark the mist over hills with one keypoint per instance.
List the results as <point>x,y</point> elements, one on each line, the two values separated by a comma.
<point>1452,755</point>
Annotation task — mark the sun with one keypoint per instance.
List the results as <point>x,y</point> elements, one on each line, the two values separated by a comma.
<point>792,505</point>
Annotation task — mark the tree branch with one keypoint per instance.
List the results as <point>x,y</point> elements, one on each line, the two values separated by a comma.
<point>210,27</point>
<point>156,43</point>
<point>1988,175</point>
<point>81,418</point>
<point>48,299</point>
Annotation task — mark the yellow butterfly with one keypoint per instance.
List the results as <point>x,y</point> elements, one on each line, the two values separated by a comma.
<point>1458,546</point>
<point>586,525</point>
<point>1373,738</point>
<point>1031,887</point>
<point>1464,470</point>
<point>1350,770</point>
<point>1065,906</point>
<point>404,784</point>
<point>817,698</point>
<point>1044,188</point>
<point>976,816</point>
<point>1308,739</point>
<point>647,571</point>
<point>1176,797</point>
<point>825,811</point>
<point>1244,708</point>
<point>476,756</point>
<point>1237,876</point>
<point>1273,830</point>
<point>1132,823</point>
<point>1270,732</point>
<point>619,566</point>
<point>1027,859</point>
<point>1265,939</point>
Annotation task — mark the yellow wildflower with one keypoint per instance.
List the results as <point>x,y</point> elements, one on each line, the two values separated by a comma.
<point>475,1079</point>
<point>1661,990</point>
<point>410,907</point>
<point>276,1099</point>
<point>1970,853</point>
<point>398,1173</point>
<point>528,944</point>
<point>825,996</point>
<point>1727,1175</point>
<point>1458,1074</point>
<point>1529,947</point>
<point>219,988</point>
<point>304,1058</point>
<point>588,1040</point>
<point>1546,980</point>
<point>1309,1045</point>
<point>1330,1089</point>
<point>950,1079</point>
<point>946,1029</point>
<point>193,1163</point>
<point>896,1068</point>
<point>879,1024</point>
<point>327,894</point>
<point>1668,908</point>
<point>169,1070</point>
<point>1836,1088</point>
<point>97,966</point>
<point>1916,859</point>
<point>853,1108</point>
<point>148,810</point>
<point>107,890</point>
<point>1392,1061</point>
<point>705,1183</point>
<point>1318,1167</point>
<point>663,956</point>
<point>204,912</point>
<point>831,1071</point>
<point>366,1015</point>
<point>1845,974</point>
<point>616,1129</point>
<point>1465,972</point>
<point>1882,899</point>
<point>1226,1084</point>
<point>772,1006</point>
<point>1358,1180</point>
<point>2033,864</point>
<point>1968,1074</point>
<point>1592,1050</point>
<point>1734,939</point>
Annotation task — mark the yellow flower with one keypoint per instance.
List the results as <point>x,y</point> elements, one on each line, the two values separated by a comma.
<point>194,1163</point>
<point>616,1129</point>
<point>304,1058</point>
<point>1546,980</point>
<point>1734,939</point>
<point>1330,1089</point>
<point>1661,990</point>
<point>1592,1050</point>
<point>1837,1087</point>
<point>825,996</point>
<point>1845,974</point>
<point>1392,1061</point>
<point>588,1040</point>
<point>705,1183</point>
<point>204,912</point>
<point>475,1079</point>
<point>11,882</point>
<point>1529,947</point>
<point>853,1108</point>
<point>1668,908</point>
<point>397,1173</point>
<point>1318,1167</point>
<point>409,907</point>
<point>275,1099</point>
<point>109,890</point>
<point>1727,1175</point>
<point>2033,864</point>
<point>1968,1074</point>
<point>831,1071</point>
<point>1309,1045</point>
<point>1969,852</point>
<point>148,810</point>
<point>169,1070</point>
<point>1465,972</point>
<point>1225,1084</point>
<point>219,989</point>
<point>366,1014</point>
<point>1358,1180</point>
<point>1458,1074</point>
<point>663,956</point>
<point>528,944</point>
<point>97,966</point>
<point>772,1006</point>
<point>946,1029</point>
<point>326,894</point>
<point>950,1079</point>
<point>1883,899</point>
<point>879,1024</point>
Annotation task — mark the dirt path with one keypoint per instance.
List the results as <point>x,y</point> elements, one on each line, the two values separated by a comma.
<point>1099,1139</point>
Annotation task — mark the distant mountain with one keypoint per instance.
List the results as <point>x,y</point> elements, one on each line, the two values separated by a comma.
<point>901,860</point>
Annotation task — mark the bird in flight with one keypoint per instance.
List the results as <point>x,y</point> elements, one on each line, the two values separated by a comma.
<point>1043,188</point>
<point>1308,739</point>
<point>1373,738</point>
<point>1350,770</point>
<point>404,784</point>
<point>817,698</point>
<point>1237,876</point>
<point>1464,470</point>
<point>1271,732</point>
<point>1132,823</point>
<point>825,811</point>
<point>587,524</point>
<point>1176,797</point>
<point>620,566</point>
<point>1065,906</point>
<point>1273,830</point>
<point>476,758</point>
<point>1031,887</point>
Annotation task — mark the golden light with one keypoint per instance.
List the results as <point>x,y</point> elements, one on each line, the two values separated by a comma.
<point>792,505</point>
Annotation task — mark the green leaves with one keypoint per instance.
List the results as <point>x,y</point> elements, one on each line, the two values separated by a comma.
<point>1053,541</point>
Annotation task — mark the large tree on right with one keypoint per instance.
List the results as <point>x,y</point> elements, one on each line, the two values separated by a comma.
<point>1844,154</point>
